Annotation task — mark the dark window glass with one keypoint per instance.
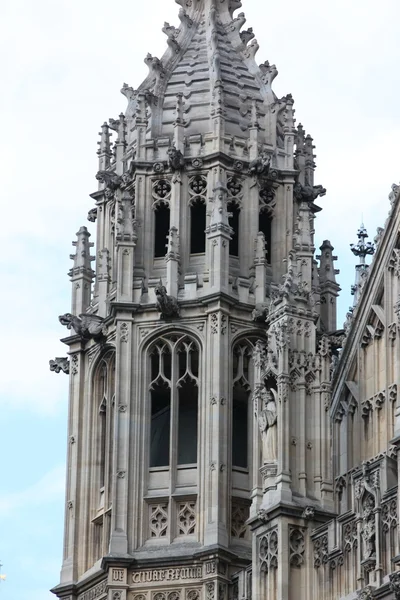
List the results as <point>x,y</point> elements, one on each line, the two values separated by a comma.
<point>160,427</point>
<point>197,228</point>
<point>162,214</point>
<point>240,428</point>
<point>265,225</point>
<point>234,212</point>
<point>187,425</point>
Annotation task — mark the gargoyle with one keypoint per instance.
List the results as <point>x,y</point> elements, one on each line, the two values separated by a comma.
<point>308,193</point>
<point>260,313</point>
<point>92,215</point>
<point>86,326</point>
<point>167,305</point>
<point>111,179</point>
<point>59,364</point>
<point>261,165</point>
<point>176,160</point>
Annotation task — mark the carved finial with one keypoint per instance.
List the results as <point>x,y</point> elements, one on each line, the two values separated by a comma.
<point>104,151</point>
<point>362,249</point>
<point>128,91</point>
<point>82,259</point>
<point>179,109</point>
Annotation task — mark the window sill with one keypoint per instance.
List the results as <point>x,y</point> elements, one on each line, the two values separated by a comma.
<point>241,470</point>
<point>189,466</point>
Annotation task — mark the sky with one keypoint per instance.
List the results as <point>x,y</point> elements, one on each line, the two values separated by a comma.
<point>62,65</point>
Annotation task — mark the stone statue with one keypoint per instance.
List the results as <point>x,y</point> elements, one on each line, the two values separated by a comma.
<point>394,192</point>
<point>261,165</point>
<point>308,193</point>
<point>267,422</point>
<point>176,160</point>
<point>167,305</point>
<point>260,313</point>
<point>86,326</point>
<point>59,364</point>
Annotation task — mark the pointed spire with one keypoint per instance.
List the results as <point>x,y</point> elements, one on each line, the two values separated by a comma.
<point>329,287</point>
<point>104,151</point>
<point>81,273</point>
<point>82,258</point>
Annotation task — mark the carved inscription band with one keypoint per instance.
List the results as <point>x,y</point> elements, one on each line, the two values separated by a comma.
<point>94,592</point>
<point>167,575</point>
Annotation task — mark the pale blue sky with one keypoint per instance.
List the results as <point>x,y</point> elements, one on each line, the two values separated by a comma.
<point>62,65</point>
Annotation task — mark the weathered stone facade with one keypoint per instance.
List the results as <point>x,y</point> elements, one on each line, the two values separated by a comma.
<point>210,457</point>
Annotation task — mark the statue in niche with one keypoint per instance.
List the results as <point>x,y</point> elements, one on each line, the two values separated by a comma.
<point>268,425</point>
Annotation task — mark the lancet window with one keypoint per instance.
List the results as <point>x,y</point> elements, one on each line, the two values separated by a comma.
<point>174,396</point>
<point>197,203</point>
<point>161,198</point>
<point>242,385</point>
<point>102,450</point>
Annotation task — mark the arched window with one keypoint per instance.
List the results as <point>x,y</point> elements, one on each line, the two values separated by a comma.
<point>102,451</point>
<point>174,402</point>
<point>242,376</point>
<point>161,192</point>
<point>197,203</point>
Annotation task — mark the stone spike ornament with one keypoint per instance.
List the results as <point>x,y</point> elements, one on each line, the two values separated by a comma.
<point>362,249</point>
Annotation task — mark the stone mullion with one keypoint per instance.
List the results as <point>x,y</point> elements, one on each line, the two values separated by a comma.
<point>123,371</point>
<point>138,469</point>
<point>217,434</point>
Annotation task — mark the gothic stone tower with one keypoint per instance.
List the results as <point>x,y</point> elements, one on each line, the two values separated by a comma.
<point>199,443</point>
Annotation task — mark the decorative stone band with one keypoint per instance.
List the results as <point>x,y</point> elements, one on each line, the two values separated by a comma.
<point>94,592</point>
<point>162,575</point>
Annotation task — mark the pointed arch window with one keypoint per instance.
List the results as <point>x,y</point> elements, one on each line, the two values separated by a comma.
<point>161,205</point>
<point>242,385</point>
<point>174,396</point>
<point>198,214</point>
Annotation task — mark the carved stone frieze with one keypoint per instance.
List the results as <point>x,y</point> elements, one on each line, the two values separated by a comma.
<point>321,551</point>
<point>394,584</point>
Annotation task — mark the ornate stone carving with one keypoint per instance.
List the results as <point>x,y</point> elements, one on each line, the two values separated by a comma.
<point>175,159</point>
<point>124,332</point>
<point>261,165</point>
<point>268,551</point>
<point>158,522</point>
<point>92,215</point>
<point>59,364</point>
<point>308,513</point>
<point>297,546</point>
<point>86,326</point>
<point>193,595</point>
<point>308,193</point>
<point>167,305</point>
<point>187,518</point>
<point>394,262</point>
<point>365,594</point>
<point>240,514</point>
<point>389,515</point>
<point>394,584</point>
<point>350,537</point>
<point>321,551</point>
<point>210,589</point>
